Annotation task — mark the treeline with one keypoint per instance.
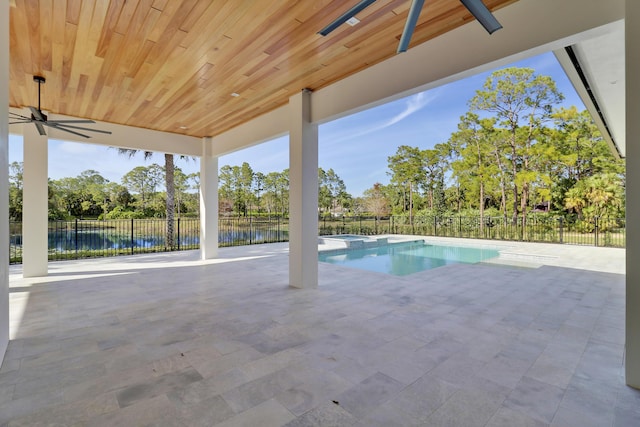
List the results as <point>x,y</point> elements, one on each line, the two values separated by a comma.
<point>141,194</point>
<point>514,152</point>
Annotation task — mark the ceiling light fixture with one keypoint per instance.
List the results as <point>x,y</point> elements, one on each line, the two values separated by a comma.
<point>346,16</point>
<point>353,21</point>
<point>235,95</point>
<point>410,25</point>
<point>482,14</point>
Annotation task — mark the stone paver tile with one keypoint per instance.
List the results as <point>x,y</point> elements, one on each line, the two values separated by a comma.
<point>326,415</point>
<point>267,414</point>
<point>145,412</point>
<point>257,391</point>
<point>368,394</point>
<point>464,408</point>
<point>76,413</point>
<point>505,417</point>
<point>205,413</point>
<point>157,386</point>
<point>536,399</point>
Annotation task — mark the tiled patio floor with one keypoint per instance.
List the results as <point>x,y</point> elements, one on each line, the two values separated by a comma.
<point>163,340</point>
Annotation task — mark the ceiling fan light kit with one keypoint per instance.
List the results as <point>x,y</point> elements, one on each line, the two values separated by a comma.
<point>479,11</point>
<point>40,120</point>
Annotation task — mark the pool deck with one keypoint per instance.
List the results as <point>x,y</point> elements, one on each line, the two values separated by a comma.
<point>169,340</point>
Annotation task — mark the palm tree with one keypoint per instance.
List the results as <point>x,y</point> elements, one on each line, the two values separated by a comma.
<point>169,168</point>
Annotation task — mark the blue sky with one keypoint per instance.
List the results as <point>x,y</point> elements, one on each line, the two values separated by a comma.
<point>355,147</point>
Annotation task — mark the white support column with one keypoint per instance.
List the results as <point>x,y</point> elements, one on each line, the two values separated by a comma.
<point>208,202</point>
<point>4,178</point>
<point>35,204</point>
<point>303,194</point>
<point>632,71</point>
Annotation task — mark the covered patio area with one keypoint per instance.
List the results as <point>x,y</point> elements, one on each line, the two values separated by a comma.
<point>172,340</point>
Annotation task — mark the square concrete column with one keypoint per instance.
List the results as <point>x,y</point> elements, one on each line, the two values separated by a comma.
<point>632,144</point>
<point>303,194</point>
<point>208,202</point>
<point>35,203</point>
<point>4,177</point>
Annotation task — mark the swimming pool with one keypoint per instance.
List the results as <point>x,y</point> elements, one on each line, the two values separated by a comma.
<point>401,259</point>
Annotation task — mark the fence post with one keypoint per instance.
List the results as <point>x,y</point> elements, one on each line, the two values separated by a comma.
<point>178,233</point>
<point>561,220</point>
<point>250,224</point>
<point>435,225</point>
<point>76,238</point>
<point>131,236</point>
<point>595,230</point>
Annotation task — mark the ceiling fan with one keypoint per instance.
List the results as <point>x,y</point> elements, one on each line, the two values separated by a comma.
<point>476,7</point>
<point>40,119</point>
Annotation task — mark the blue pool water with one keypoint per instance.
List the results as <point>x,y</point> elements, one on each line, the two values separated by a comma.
<point>406,258</point>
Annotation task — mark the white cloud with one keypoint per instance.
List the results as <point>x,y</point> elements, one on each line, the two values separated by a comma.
<point>412,105</point>
<point>76,147</point>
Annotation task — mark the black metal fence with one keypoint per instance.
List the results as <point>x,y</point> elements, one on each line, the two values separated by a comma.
<point>609,232</point>
<point>89,239</point>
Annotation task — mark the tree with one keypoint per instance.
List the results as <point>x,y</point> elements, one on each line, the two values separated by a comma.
<point>169,168</point>
<point>236,184</point>
<point>598,195</point>
<point>407,172</point>
<point>332,191</point>
<point>16,171</point>
<point>475,167</point>
<point>375,200</point>
<point>521,101</point>
<point>143,181</point>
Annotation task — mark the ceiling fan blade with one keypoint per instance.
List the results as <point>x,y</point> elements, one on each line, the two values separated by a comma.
<point>482,15</point>
<point>410,25</point>
<point>19,115</point>
<point>37,114</point>
<point>40,127</point>
<point>70,121</point>
<point>21,121</point>
<point>65,130</point>
<point>346,16</point>
<point>64,126</point>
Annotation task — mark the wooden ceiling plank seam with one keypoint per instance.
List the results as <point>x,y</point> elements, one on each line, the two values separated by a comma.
<point>32,16</point>
<point>159,4</point>
<point>329,10</point>
<point>80,92</point>
<point>134,38</point>
<point>147,82</point>
<point>106,68</point>
<point>163,22</point>
<point>195,14</point>
<point>110,22</point>
<point>73,11</point>
<point>58,20</point>
<point>212,23</point>
<point>129,9</point>
<point>71,31</point>
<point>45,27</point>
<point>81,51</point>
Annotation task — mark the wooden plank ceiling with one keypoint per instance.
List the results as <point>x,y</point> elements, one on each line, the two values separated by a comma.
<point>173,65</point>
